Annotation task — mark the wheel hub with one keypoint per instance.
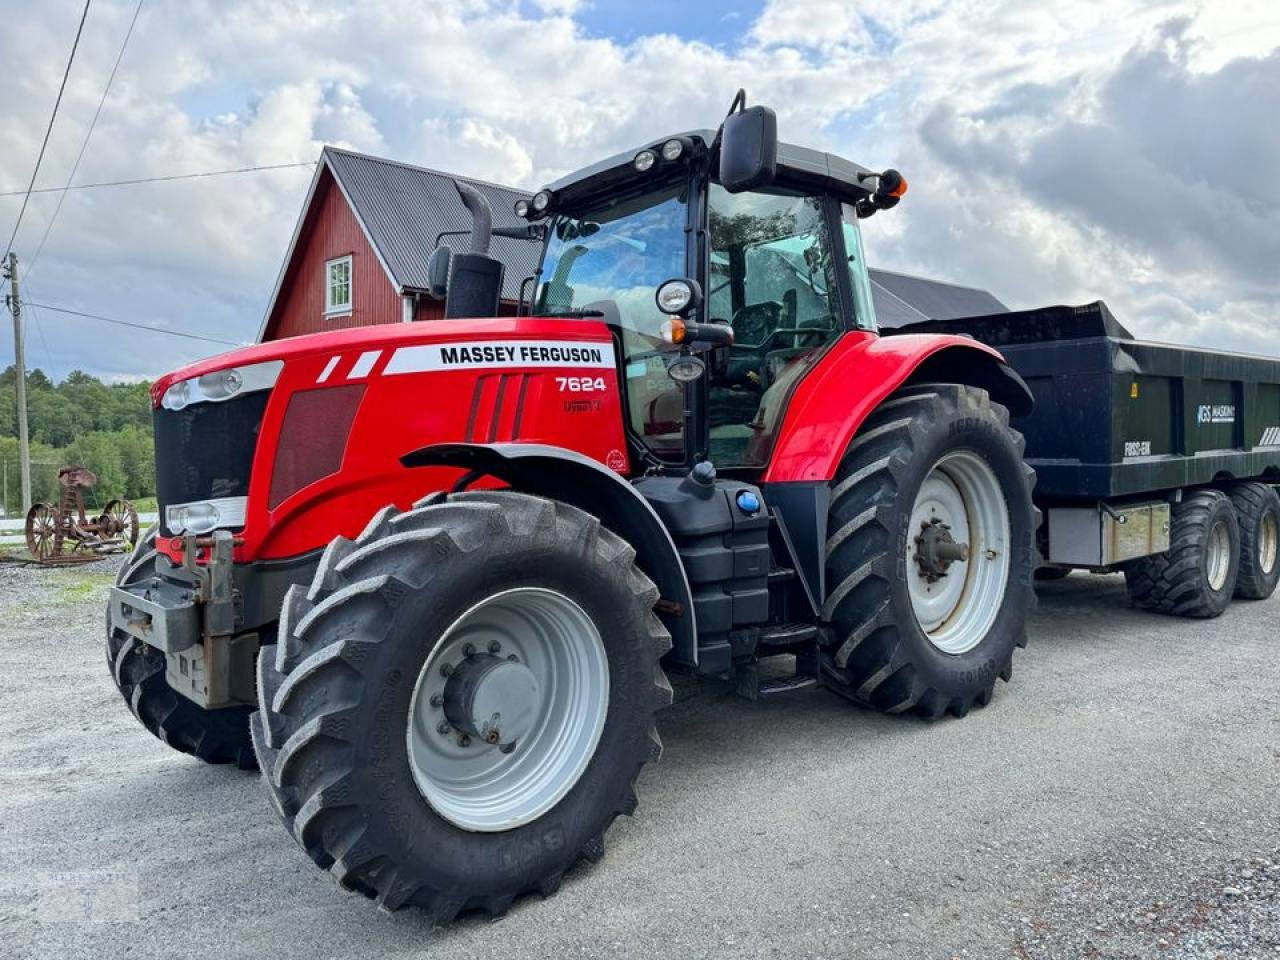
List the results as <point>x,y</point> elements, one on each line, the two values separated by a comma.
<point>958,559</point>
<point>492,699</point>
<point>937,550</point>
<point>508,709</point>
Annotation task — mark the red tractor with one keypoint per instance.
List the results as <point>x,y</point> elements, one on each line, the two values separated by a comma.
<point>431,577</point>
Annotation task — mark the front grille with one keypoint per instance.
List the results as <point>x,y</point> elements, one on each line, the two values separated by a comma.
<point>205,451</point>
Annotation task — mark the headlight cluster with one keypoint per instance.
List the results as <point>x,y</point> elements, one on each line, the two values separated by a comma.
<point>222,384</point>
<point>536,207</point>
<point>205,516</point>
<point>671,151</point>
<point>539,205</point>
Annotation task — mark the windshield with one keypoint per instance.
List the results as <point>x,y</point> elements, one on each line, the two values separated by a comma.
<point>620,252</point>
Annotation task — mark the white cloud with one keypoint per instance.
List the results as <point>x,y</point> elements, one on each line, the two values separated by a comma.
<point>976,101</point>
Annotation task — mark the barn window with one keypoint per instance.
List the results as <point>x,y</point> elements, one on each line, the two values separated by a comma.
<point>337,286</point>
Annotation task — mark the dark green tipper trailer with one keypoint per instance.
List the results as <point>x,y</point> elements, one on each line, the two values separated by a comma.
<point>1155,459</point>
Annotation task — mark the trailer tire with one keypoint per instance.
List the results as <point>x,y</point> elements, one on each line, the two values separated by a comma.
<point>214,736</point>
<point>882,650</point>
<point>345,721</point>
<point>1197,575</point>
<point>1258,512</point>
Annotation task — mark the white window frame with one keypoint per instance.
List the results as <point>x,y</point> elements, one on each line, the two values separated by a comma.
<point>342,309</point>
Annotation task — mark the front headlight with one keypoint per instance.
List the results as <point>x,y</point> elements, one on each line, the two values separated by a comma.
<point>674,296</point>
<point>222,384</point>
<point>205,516</point>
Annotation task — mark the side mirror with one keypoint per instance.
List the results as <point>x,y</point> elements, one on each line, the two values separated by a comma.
<point>438,273</point>
<point>748,149</point>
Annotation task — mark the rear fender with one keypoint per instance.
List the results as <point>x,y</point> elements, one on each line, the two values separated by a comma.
<point>856,375</point>
<point>568,476</point>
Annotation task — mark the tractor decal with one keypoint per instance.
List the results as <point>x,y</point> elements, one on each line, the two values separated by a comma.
<point>511,353</point>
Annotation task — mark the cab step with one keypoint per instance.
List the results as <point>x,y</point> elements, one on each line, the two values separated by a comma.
<point>750,684</point>
<point>786,634</point>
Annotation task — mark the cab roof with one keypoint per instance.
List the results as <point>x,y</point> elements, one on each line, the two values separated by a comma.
<point>797,166</point>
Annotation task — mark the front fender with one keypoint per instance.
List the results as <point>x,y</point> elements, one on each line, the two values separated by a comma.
<point>852,378</point>
<point>566,475</point>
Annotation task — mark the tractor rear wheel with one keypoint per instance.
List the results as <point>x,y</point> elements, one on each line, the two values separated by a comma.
<point>930,554</point>
<point>1258,511</point>
<point>214,736</point>
<point>1197,575</point>
<point>460,704</point>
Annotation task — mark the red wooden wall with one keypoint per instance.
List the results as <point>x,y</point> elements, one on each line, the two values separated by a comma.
<point>330,231</point>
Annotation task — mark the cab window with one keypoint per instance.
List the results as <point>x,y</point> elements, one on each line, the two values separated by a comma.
<point>773,279</point>
<point>864,310</point>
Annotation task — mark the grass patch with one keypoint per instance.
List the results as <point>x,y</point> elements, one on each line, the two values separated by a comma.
<point>75,586</point>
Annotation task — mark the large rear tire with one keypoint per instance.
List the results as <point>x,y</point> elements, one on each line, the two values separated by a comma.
<point>375,750</point>
<point>934,473</point>
<point>1197,575</point>
<point>1258,513</point>
<point>214,736</point>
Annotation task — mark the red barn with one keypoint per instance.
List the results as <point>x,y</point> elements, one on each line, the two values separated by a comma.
<point>368,227</point>
<point>359,252</point>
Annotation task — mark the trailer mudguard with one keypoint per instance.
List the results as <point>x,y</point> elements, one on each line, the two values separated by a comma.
<point>859,371</point>
<point>561,474</point>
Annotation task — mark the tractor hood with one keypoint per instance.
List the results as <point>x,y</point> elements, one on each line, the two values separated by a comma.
<point>373,346</point>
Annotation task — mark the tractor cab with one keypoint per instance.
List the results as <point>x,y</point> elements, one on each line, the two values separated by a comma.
<point>725,263</point>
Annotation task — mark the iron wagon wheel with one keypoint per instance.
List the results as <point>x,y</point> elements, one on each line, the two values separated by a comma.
<point>41,526</point>
<point>119,519</point>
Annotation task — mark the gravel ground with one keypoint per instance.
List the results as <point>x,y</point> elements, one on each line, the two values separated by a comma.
<point>1119,799</point>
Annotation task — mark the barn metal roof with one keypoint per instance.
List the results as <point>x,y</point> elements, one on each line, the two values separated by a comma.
<point>403,208</point>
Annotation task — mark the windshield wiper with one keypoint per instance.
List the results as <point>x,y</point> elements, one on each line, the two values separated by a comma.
<point>579,313</point>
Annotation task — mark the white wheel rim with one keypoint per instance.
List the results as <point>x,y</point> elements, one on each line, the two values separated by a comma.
<point>1218,558</point>
<point>560,699</point>
<point>957,609</point>
<point>1268,543</point>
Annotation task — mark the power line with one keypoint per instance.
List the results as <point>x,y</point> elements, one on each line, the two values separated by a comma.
<point>178,176</point>
<point>66,73</point>
<point>85,145</point>
<point>126,323</point>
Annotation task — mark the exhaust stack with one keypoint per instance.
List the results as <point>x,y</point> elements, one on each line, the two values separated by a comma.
<point>475,278</point>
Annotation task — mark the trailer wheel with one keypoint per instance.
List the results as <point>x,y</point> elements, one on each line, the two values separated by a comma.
<point>930,554</point>
<point>1197,575</point>
<point>461,702</point>
<point>214,736</point>
<point>1258,512</point>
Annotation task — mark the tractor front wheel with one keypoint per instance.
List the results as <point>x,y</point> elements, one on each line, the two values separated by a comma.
<point>460,704</point>
<point>929,554</point>
<point>214,736</point>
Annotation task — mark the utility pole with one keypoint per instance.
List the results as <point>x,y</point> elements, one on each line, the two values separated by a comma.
<point>20,363</point>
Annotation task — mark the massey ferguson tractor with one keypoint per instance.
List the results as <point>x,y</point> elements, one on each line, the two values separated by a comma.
<point>431,577</point>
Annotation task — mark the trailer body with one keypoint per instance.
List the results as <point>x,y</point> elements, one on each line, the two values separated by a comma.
<point>1122,426</point>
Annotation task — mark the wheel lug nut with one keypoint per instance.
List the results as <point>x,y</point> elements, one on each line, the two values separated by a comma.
<point>469,650</point>
<point>443,727</point>
<point>513,658</point>
<point>464,740</point>
<point>491,736</point>
<point>494,646</point>
<point>437,700</point>
<point>446,669</point>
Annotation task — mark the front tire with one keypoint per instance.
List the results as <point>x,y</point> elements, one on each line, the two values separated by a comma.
<point>380,769</point>
<point>214,736</point>
<point>914,626</point>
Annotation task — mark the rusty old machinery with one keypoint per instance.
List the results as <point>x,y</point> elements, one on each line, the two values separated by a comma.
<point>62,532</point>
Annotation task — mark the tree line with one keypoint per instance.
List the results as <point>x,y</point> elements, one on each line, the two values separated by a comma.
<point>104,427</point>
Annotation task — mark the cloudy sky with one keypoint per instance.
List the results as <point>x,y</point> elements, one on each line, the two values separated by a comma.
<point>1057,151</point>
